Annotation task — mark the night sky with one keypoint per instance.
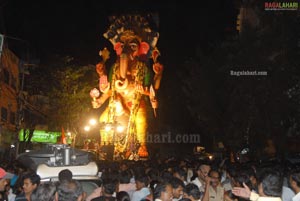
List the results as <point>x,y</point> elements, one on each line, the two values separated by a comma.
<point>62,27</point>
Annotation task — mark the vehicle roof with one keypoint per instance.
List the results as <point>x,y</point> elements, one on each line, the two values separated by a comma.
<point>80,172</point>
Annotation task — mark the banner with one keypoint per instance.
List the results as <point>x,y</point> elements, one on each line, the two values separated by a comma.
<point>63,136</point>
<point>39,136</point>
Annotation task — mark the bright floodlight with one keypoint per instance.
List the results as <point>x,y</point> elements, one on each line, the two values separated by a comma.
<point>92,121</point>
<point>119,107</point>
<point>120,128</point>
<point>108,127</point>
<point>87,128</point>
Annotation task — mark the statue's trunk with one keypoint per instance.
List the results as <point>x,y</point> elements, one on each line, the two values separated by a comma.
<point>123,65</point>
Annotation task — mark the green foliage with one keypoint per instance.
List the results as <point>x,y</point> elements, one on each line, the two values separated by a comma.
<point>69,94</point>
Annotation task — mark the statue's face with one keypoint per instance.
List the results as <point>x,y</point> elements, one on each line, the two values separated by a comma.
<point>128,45</point>
<point>130,48</point>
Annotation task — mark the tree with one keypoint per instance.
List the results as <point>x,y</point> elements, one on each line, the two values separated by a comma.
<point>57,92</point>
<point>69,95</point>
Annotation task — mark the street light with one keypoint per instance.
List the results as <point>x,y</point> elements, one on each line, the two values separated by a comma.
<point>108,127</point>
<point>110,132</point>
<point>112,127</point>
<point>92,122</point>
<point>120,128</point>
<point>87,128</point>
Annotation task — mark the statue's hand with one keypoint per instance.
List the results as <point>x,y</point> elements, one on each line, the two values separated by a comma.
<point>100,68</point>
<point>104,84</point>
<point>154,103</point>
<point>94,93</point>
<point>158,68</point>
<point>139,88</point>
<point>104,54</point>
<point>96,103</point>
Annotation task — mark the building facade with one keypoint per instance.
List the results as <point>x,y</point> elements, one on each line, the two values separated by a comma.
<point>9,87</point>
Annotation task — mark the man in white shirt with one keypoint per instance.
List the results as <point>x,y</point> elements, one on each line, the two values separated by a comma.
<point>294,180</point>
<point>142,190</point>
<point>287,193</point>
<point>202,172</point>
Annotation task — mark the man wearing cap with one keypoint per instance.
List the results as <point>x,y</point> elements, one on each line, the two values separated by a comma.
<point>3,178</point>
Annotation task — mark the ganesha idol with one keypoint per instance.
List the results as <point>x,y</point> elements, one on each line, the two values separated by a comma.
<point>129,86</point>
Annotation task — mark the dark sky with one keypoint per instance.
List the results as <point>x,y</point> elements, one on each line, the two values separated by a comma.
<point>75,27</point>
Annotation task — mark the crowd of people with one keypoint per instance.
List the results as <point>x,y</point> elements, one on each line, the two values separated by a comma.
<point>160,180</point>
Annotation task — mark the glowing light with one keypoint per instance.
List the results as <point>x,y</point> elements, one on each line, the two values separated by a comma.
<point>119,107</point>
<point>87,128</point>
<point>92,122</point>
<point>120,128</point>
<point>108,127</point>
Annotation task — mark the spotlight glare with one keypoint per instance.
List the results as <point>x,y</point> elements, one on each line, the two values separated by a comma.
<point>87,128</point>
<point>92,121</point>
<point>107,127</point>
<point>120,128</point>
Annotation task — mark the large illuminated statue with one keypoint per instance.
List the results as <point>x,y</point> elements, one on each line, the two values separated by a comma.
<point>130,85</point>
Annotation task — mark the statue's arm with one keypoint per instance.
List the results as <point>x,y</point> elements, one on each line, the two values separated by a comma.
<point>97,102</point>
